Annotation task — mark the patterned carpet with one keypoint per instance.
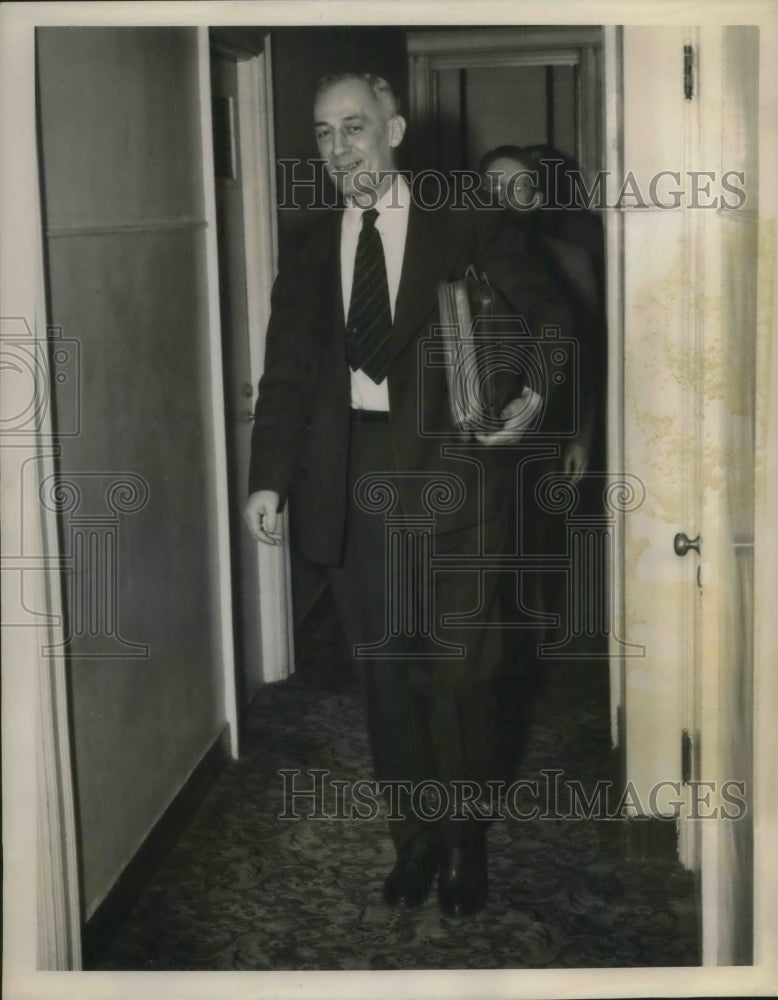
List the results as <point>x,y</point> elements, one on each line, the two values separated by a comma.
<point>244,890</point>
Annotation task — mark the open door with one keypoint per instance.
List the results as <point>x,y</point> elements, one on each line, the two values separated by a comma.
<point>688,297</point>
<point>244,169</point>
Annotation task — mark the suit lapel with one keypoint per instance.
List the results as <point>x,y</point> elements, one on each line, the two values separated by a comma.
<point>324,263</point>
<point>338,332</point>
<point>336,278</point>
<point>429,253</point>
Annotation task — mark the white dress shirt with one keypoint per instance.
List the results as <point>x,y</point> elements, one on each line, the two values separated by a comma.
<point>392,225</point>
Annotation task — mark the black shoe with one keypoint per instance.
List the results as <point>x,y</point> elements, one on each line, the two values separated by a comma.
<point>463,881</point>
<point>410,881</point>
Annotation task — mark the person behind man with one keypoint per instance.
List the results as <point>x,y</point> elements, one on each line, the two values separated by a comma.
<point>535,186</point>
<point>353,421</point>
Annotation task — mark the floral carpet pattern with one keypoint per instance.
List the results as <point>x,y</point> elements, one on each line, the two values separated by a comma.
<point>245,890</point>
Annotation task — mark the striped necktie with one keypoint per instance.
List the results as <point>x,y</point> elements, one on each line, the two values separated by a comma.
<point>370,314</point>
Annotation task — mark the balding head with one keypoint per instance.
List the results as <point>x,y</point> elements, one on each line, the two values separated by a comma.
<point>357,130</point>
<point>380,88</point>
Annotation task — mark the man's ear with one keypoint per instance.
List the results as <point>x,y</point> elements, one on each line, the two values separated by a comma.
<point>397,126</point>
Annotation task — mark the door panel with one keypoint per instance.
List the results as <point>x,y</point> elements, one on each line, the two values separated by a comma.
<point>239,391</point>
<point>729,81</point>
<point>245,202</point>
<point>138,492</point>
<point>689,352</point>
<point>659,586</point>
<point>658,420</point>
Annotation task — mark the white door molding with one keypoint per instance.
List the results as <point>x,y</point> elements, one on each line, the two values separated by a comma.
<point>39,827</point>
<point>614,256</point>
<point>218,438</point>
<point>257,158</point>
<point>766,518</point>
<point>57,888</point>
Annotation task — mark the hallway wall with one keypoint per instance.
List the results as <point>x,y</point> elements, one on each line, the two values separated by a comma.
<point>125,246</point>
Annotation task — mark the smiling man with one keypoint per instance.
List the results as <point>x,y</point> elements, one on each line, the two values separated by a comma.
<point>357,129</point>
<point>355,426</point>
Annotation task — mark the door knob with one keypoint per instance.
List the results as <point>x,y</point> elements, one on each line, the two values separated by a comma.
<point>682,543</point>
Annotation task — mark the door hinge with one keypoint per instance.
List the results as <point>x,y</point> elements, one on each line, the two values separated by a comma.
<point>688,71</point>
<point>686,757</point>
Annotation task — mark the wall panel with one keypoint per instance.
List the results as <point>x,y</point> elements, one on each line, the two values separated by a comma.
<point>124,217</point>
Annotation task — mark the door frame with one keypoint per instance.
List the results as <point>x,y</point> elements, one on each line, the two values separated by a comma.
<point>765,678</point>
<point>56,905</point>
<point>579,46</point>
<point>39,825</point>
<point>699,849</point>
<point>58,882</point>
<point>218,437</point>
<point>613,157</point>
<point>251,51</point>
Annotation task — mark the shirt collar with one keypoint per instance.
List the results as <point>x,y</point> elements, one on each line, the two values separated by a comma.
<point>395,198</point>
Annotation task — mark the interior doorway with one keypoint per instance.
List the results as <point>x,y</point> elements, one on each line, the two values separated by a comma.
<point>244,178</point>
<point>540,91</point>
<point>681,688</point>
<point>473,89</point>
<point>586,93</point>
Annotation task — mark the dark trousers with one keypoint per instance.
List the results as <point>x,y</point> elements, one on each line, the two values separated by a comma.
<point>431,718</point>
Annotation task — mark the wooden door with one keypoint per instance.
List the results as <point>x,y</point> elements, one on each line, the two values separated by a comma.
<point>723,689</point>
<point>245,203</point>
<point>687,426</point>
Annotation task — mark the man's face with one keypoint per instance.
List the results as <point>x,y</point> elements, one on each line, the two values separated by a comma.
<point>356,135</point>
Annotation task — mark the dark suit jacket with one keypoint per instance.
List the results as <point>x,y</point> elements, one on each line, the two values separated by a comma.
<point>302,423</point>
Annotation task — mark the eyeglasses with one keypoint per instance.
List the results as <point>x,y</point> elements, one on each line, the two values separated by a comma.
<point>517,182</point>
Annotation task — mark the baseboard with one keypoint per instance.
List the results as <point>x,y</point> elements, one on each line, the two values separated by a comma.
<point>102,927</point>
<point>649,838</point>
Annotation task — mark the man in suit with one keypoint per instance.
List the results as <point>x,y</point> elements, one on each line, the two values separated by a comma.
<point>353,422</point>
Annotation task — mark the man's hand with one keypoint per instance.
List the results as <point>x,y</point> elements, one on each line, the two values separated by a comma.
<point>261,516</point>
<point>574,461</point>
<point>518,414</point>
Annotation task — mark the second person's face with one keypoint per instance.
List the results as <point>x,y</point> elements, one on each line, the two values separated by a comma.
<point>513,183</point>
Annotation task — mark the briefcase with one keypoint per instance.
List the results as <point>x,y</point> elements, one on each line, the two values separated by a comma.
<point>471,313</point>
